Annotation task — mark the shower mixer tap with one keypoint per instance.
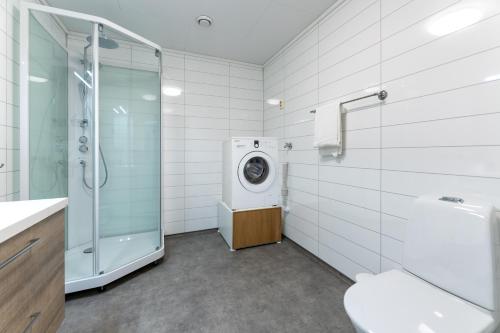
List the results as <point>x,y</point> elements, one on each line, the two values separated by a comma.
<point>83,148</point>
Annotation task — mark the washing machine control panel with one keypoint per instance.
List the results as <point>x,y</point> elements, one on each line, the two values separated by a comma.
<point>254,143</point>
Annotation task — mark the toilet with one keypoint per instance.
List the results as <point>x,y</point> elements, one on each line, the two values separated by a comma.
<point>448,282</point>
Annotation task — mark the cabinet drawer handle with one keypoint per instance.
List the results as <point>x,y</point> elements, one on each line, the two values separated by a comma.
<point>25,249</point>
<point>33,318</point>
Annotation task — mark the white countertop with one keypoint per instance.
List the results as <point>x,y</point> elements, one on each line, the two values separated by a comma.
<point>17,216</point>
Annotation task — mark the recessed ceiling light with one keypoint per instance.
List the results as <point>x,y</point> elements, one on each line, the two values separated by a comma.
<point>172,91</point>
<point>204,21</point>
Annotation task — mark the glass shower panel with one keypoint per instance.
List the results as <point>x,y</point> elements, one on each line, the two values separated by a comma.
<point>129,120</point>
<point>60,105</point>
<point>48,126</point>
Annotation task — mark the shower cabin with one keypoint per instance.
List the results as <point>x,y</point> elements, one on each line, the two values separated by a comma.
<point>90,117</point>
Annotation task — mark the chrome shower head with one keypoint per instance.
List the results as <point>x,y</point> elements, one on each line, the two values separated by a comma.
<point>104,42</point>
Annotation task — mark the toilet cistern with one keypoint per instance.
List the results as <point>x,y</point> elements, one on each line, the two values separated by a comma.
<point>448,280</point>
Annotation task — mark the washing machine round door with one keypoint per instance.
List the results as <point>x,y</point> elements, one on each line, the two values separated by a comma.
<point>256,171</point>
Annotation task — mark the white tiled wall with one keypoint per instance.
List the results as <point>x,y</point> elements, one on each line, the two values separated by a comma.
<point>436,132</point>
<point>9,102</point>
<point>220,99</point>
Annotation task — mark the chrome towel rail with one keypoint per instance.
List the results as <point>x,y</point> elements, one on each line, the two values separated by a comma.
<point>381,96</point>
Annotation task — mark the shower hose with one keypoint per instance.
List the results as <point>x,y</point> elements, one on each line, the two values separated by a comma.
<point>84,165</point>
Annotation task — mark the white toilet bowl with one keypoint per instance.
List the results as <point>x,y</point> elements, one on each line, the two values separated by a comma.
<point>397,301</point>
<point>449,280</point>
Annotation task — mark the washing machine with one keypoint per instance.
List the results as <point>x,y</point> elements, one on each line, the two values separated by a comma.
<point>250,177</point>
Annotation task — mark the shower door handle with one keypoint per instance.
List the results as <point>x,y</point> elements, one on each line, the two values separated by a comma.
<point>2,165</point>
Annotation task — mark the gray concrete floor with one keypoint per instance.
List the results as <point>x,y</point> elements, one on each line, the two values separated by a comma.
<point>203,287</point>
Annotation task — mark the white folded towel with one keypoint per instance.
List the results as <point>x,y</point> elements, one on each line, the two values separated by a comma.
<point>328,129</point>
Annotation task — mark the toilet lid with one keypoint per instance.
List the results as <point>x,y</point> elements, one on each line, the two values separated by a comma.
<point>396,301</point>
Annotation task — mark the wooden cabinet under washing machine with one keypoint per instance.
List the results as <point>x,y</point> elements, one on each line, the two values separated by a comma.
<point>249,227</point>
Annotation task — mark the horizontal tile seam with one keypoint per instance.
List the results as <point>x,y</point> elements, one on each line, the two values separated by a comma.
<point>348,167</point>
<point>384,147</point>
<point>351,240</point>
<point>439,38</point>
<point>350,222</point>
<point>350,185</point>
<point>406,75</point>
<point>343,255</point>
<point>384,235</point>
<point>421,19</point>
<point>439,92</point>
<point>348,57</point>
<point>428,69</point>
<point>311,223</point>
<point>288,225</point>
<point>352,18</point>
<point>336,200</point>
<point>348,39</point>
<point>348,203</point>
<point>391,260</point>
<point>397,9</point>
<point>478,115</point>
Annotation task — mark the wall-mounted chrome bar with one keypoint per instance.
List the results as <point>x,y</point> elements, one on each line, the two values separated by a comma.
<point>381,96</point>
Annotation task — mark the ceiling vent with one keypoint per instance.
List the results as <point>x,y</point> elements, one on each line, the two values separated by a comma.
<point>204,21</point>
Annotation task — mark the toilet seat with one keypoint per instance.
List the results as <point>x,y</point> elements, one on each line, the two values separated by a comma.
<point>396,301</point>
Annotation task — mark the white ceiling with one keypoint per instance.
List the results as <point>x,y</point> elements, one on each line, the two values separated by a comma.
<point>244,30</point>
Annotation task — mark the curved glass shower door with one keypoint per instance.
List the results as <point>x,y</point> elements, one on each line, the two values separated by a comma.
<point>91,131</point>
<point>130,124</point>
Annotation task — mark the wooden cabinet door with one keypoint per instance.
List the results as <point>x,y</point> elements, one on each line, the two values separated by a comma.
<point>256,227</point>
<point>48,283</point>
<point>16,256</point>
<point>32,278</point>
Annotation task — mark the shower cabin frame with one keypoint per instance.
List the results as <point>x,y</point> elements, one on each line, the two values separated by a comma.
<point>98,279</point>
